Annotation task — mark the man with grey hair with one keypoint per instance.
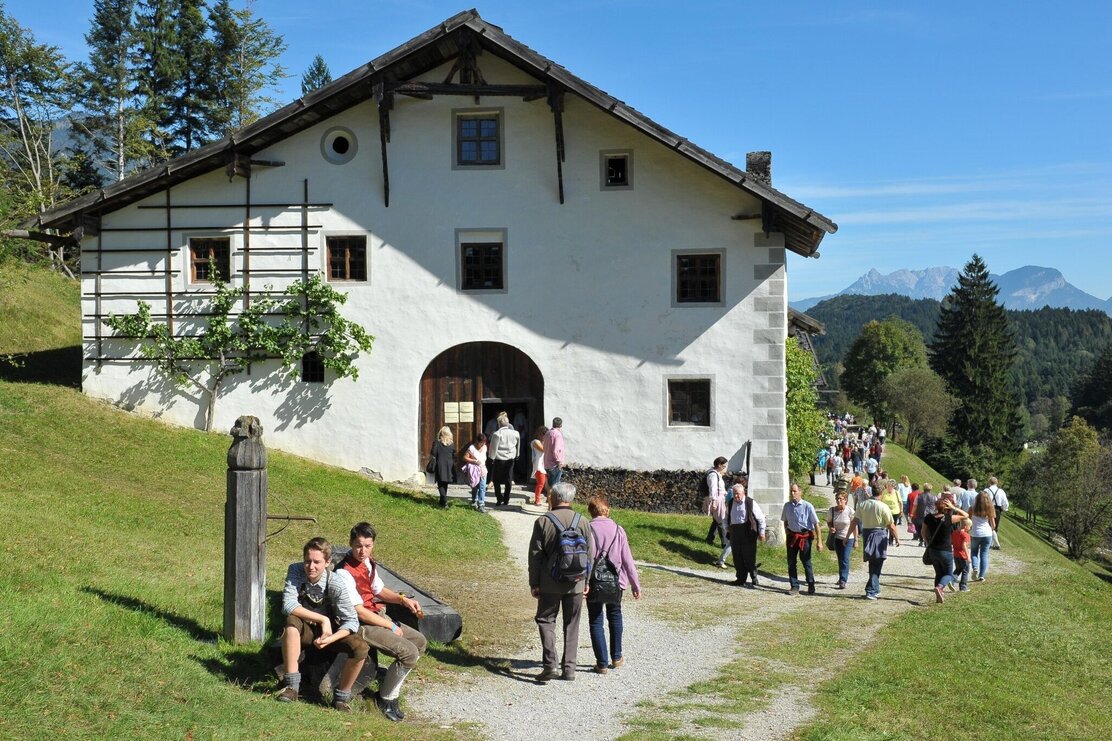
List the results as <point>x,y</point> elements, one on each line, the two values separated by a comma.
<point>1000,504</point>
<point>555,535</point>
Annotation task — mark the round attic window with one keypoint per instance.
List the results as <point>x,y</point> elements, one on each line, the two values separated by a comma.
<point>338,145</point>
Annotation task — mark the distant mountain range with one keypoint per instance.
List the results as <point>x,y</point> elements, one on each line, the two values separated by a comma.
<point>1029,287</point>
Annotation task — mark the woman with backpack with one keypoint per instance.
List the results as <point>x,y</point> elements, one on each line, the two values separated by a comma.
<point>612,557</point>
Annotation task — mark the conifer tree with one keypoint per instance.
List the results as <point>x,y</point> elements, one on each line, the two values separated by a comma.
<point>157,66</point>
<point>195,92</point>
<point>318,75</point>
<point>245,65</point>
<point>973,351</point>
<point>109,125</point>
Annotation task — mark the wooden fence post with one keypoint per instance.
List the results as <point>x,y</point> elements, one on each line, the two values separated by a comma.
<point>245,535</point>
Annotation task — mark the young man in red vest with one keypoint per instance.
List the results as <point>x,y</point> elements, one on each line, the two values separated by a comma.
<point>370,596</point>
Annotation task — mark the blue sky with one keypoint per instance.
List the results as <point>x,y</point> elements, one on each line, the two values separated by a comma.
<point>927,130</point>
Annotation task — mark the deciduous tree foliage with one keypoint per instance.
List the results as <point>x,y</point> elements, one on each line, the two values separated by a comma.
<point>806,423</point>
<point>1072,489</point>
<point>306,319</point>
<point>973,350</point>
<point>880,350</point>
<point>917,398</point>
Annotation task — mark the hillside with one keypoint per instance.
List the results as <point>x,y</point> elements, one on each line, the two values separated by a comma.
<point>113,603</point>
<point>1055,345</point>
<point>40,324</point>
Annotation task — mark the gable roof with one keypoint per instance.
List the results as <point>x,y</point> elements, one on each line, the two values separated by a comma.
<point>802,226</point>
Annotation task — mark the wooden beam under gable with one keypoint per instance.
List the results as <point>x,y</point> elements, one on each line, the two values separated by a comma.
<point>384,99</point>
<point>556,103</point>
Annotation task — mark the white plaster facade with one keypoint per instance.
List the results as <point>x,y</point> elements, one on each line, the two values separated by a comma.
<point>588,296</point>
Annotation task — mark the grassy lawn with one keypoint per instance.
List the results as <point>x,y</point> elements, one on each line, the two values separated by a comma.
<point>1023,657</point>
<point>113,528</point>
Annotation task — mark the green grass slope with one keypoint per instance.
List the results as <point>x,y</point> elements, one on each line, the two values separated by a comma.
<point>40,325</point>
<point>112,585</point>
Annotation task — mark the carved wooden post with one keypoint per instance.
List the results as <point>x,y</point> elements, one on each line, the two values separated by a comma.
<point>245,535</point>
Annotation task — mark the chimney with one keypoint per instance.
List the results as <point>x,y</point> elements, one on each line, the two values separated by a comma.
<point>758,166</point>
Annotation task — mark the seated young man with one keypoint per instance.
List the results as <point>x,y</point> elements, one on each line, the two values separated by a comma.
<point>370,597</point>
<point>319,613</point>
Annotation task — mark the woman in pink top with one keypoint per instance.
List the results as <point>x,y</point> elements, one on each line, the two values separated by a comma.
<point>610,539</point>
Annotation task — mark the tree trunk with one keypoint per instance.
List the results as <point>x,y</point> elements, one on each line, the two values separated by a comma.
<point>214,394</point>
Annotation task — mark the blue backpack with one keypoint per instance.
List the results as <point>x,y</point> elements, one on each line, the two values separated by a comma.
<point>570,563</point>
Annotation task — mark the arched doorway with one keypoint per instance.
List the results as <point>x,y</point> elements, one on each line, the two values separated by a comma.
<point>466,386</point>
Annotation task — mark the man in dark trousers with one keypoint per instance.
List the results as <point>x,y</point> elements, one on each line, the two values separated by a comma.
<point>553,592</point>
<point>746,525</point>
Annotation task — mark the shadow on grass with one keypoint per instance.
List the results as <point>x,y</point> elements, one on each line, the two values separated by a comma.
<point>184,624</point>
<point>685,572</point>
<point>59,367</point>
<point>697,556</point>
<point>676,532</point>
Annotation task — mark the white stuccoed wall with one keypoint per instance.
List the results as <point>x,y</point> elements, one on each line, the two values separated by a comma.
<point>589,290</point>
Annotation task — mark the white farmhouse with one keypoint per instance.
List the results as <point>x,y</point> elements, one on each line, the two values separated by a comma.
<point>515,238</point>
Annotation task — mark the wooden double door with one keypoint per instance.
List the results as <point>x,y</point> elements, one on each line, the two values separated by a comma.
<point>466,386</point>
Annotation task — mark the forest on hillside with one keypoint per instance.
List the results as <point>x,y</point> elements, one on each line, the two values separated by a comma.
<point>1056,346</point>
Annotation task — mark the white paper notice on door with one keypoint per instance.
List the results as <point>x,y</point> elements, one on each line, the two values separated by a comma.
<point>467,411</point>
<point>451,412</point>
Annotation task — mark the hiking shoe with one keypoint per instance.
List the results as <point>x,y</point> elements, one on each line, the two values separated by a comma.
<point>951,587</point>
<point>601,669</point>
<point>938,597</point>
<point>840,585</point>
<point>793,592</point>
<point>546,675</point>
<point>342,705</point>
<point>617,662</point>
<point>980,578</point>
<point>964,589</point>
<point>810,589</point>
<point>289,694</point>
<point>755,582</point>
<point>720,564</point>
<point>482,510</point>
<point>389,708</point>
<point>871,597</point>
<point>568,675</point>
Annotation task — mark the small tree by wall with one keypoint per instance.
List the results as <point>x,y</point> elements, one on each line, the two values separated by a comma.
<point>806,423</point>
<point>304,319</point>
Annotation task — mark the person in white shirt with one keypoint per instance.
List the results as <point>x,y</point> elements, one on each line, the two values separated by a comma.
<point>1000,503</point>
<point>746,526</point>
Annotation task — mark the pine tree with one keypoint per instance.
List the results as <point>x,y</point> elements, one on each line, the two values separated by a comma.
<point>157,66</point>
<point>973,351</point>
<point>318,75</point>
<point>195,92</point>
<point>108,123</point>
<point>245,64</point>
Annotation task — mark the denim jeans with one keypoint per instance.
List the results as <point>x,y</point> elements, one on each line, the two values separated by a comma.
<point>844,551</point>
<point>478,494</point>
<point>961,566</point>
<point>804,555</point>
<point>598,631</point>
<point>943,561</point>
<point>873,585</point>
<point>978,549</point>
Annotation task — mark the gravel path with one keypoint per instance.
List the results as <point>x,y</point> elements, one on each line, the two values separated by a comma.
<point>679,634</point>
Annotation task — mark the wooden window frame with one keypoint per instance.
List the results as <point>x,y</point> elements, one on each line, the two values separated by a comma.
<point>680,280</point>
<point>604,157</point>
<point>349,243</point>
<point>461,115</point>
<point>673,387</point>
<point>201,258</point>
<point>475,237</point>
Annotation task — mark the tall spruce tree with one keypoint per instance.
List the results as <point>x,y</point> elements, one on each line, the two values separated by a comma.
<point>194,96</point>
<point>157,66</point>
<point>245,65</point>
<point>973,351</point>
<point>318,75</point>
<point>108,127</point>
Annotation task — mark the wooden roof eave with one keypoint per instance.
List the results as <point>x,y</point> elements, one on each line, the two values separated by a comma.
<point>803,227</point>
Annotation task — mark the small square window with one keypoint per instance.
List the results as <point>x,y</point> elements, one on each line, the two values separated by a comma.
<point>347,258</point>
<point>689,402</point>
<point>616,169</point>
<point>210,257</point>
<point>482,266</point>
<point>478,139</point>
<point>698,278</point>
<point>312,368</point>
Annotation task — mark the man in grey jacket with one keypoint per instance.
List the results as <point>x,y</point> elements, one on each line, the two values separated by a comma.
<point>552,593</point>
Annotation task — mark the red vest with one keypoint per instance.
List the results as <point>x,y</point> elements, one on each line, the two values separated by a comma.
<point>364,578</point>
